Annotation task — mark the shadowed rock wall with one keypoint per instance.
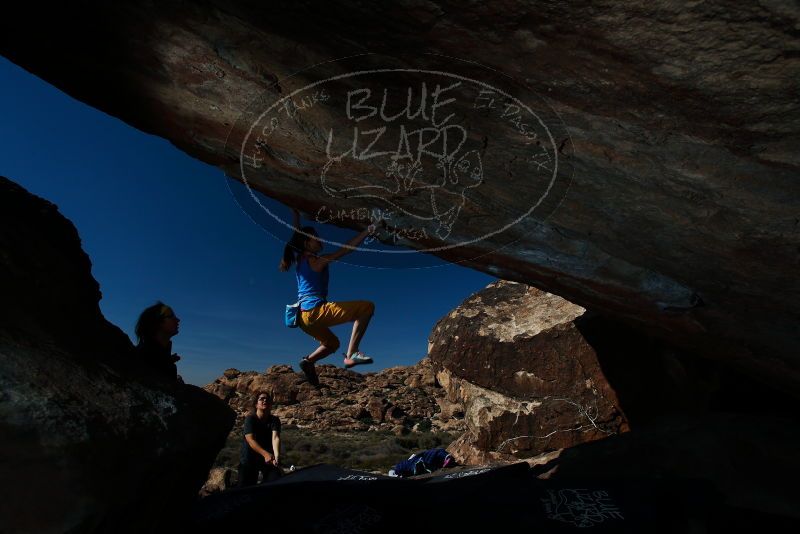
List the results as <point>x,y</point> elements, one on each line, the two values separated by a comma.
<point>91,439</point>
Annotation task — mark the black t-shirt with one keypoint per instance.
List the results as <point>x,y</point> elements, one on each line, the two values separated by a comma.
<point>262,432</point>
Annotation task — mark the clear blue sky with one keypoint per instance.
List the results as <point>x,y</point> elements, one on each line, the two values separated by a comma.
<point>159,225</point>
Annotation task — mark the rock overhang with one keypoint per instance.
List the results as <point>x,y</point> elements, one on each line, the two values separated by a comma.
<point>680,215</point>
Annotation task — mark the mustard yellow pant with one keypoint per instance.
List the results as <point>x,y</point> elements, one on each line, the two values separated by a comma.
<point>316,322</point>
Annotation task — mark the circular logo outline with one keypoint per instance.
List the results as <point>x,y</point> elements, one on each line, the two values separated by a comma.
<point>352,74</point>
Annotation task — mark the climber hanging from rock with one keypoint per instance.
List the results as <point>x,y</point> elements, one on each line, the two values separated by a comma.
<point>316,315</point>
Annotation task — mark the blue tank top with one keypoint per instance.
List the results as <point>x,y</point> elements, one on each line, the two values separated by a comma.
<point>312,286</point>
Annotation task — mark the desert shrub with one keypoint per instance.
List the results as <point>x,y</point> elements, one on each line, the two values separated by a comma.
<point>368,451</point>
<point>425,425</point>
<point>366,419</point>
<point>409,442</point>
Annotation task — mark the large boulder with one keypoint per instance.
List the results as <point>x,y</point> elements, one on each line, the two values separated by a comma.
<point>676,130</point>
<point>92,439</point>
<point>533,374</point>
<point>527,379</point>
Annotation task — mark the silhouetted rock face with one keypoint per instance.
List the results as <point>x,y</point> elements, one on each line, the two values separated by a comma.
<point>678,125</point>
<point>397,398</point>
<point>527,378</point>
<point>90,439</point>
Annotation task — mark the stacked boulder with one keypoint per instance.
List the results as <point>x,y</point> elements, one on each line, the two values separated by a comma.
<point>527,381</point>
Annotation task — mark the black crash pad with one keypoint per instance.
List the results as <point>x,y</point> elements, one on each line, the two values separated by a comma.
<point>329,499</point>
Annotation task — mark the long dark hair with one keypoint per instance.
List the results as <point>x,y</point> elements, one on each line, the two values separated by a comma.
<point>295,247</point>
<point>254,400</point>
<point>149,320</point>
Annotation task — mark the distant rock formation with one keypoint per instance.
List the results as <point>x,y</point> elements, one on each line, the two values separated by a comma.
<point>400,399</point>
<point>91,439</point>
<point>527,379</point>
